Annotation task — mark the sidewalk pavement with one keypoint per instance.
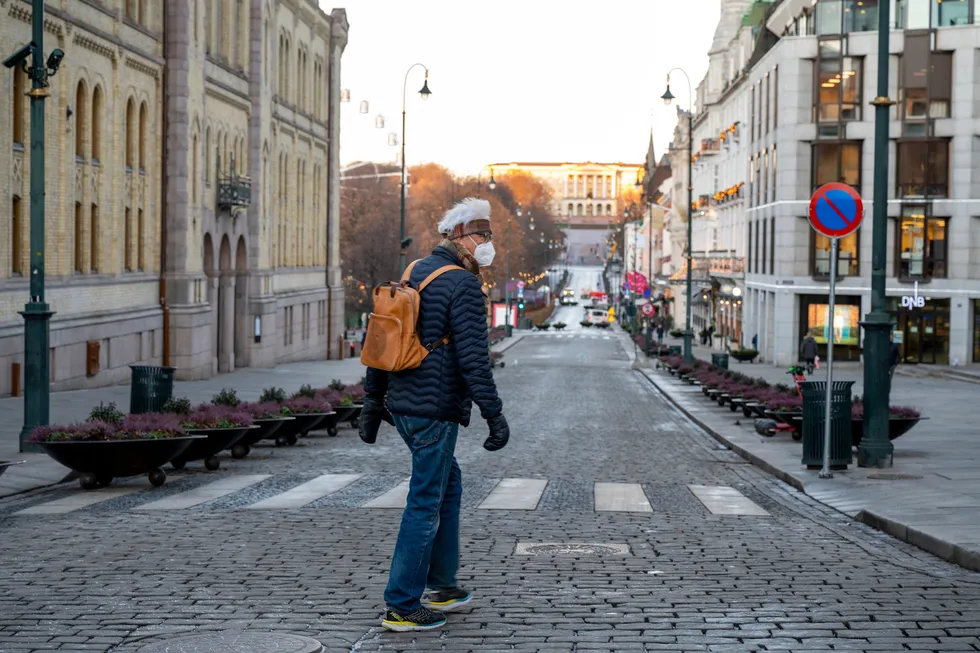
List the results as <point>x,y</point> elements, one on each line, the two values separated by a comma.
<point>70,406</point>
<point>929,498</point>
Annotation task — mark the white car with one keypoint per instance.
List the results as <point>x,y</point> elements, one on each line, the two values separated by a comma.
<point>596,316</point>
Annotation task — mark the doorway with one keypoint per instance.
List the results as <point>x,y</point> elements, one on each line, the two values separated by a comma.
<point>924,334</point>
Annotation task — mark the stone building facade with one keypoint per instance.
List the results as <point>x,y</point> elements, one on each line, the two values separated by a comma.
<point>192,186</point>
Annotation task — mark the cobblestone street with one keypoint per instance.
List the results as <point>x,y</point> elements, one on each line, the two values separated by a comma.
<point>700,550</point>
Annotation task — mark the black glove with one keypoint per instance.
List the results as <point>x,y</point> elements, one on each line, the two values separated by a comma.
<point>368,423</point>
<point>499,433</point>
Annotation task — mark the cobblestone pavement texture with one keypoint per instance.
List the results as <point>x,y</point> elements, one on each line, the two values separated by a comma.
<point>804,578</point>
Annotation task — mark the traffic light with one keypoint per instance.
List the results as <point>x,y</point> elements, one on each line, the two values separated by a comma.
<point>520,308</point>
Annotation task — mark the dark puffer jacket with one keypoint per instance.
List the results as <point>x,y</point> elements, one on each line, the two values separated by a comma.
<point>452,376</point>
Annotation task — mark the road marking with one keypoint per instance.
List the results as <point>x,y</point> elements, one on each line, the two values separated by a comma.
<point>306,493</point>
<point>396,497</point>
<point>78,501</point>
<point>621,497</point>
<point>515,494</point>
<point>205,493</point>
<point>723,500</point>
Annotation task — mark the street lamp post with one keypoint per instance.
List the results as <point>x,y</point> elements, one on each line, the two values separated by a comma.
<point>37,314</point>
<point>876,449</point>
<point>667,97</point>
<point>404,242</point>
<point>492,184</point>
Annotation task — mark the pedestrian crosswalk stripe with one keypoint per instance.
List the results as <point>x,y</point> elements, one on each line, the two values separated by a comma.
<point>205,493</point>
<point>306,493</point>
<point>515,494</point>
<point>74,502</point>
<point>396,497</point>
<point>621,497</point>
<point>724,500</point>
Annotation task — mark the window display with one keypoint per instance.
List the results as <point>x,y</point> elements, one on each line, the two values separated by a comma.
<point>845,324</point>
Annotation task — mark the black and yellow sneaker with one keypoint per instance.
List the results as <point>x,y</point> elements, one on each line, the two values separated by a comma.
<point>421,619</point>
<point>448,600</point>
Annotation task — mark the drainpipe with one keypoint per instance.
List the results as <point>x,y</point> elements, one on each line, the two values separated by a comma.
<point>163,207</point>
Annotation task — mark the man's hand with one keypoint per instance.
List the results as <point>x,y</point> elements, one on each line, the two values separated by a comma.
<point>370,419</point>
<point>499,433</point>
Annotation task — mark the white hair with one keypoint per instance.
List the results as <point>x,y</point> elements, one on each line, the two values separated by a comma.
<point>465,212</point>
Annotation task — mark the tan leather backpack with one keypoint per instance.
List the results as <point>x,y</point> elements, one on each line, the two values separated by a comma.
<point>392,343</point>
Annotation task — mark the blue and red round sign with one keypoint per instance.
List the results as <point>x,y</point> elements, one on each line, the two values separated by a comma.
<point>836,210</point>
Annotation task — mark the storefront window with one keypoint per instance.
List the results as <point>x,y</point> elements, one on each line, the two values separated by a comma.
<point>844,325</point>
<point>860,15</point>
<point>847,256</point>
<point>921,244</point>
<point>947,13</point>
<point>976,330</point>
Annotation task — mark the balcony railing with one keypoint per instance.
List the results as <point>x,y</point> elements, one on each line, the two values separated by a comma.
<point>710,146</point>
<point>234,191</point>
<point>727,266</point>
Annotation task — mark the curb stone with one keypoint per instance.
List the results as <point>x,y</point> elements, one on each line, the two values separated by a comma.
<point>954,553</point>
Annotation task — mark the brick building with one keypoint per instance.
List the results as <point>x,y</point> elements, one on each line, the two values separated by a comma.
<point>192,186</point>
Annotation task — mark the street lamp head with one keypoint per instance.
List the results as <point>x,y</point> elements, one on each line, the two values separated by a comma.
<point>54,60</point>
<point>519,212</point>
<point>492,185</point>
<point>425,92</point>
<point>667,97</point>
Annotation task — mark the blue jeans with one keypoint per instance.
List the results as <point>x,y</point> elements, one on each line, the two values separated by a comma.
<point>427,549</point>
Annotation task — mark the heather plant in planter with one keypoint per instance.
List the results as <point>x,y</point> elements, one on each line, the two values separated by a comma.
<point>355,392</point>
<point>337,385</point>
<point>307,406</point>
<point>330,396</point>
<point>107,413</point>
<point>305,390</point>
<point>262,410</point>
<point>215,416</point>
<point>273,394</point>
<point>177,406</point>
<point>894,412</point>
<point>785,404</point>
<point>227,397</point>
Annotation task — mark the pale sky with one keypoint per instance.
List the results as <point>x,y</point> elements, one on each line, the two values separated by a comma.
<point>519,80</point>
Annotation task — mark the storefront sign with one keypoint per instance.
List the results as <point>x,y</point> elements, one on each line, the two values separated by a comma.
<point>915,301</point>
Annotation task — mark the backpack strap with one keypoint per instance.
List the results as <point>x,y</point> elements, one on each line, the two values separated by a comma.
<point>406,275</point>
<point>438,273</point>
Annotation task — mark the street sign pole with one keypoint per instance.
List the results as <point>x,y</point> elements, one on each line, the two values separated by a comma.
<point>825,471</point>
<point>836,211</point>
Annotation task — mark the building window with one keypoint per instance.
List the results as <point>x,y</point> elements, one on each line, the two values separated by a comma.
<point>128,239</point>
<point>775,100</point>
<point>772,245</point>
<point>97,124</point>
<point>140,239</point>
<point>848,249</point>
<point>758,180</point>
<point>769,101</point>
<point>20,88</point>
<point>860,15</point>
<point>840,162</point>
<point>912,14</point>
<point>79,239</point>
<point>81,123</point>
<point>748,257</point>
<point>94,240</point>
<point>752,122</point>
<point>765,177</point>
<point>838,89</point>
<point>921,244</point>
<point>926,83</point>
<point>16,236</point>
<point>829,17</point>
<point>758,248</point>
<point>130,133</point>
<point>923,168</point>
<point>765,246</point>
<point>947,13</point>
<point>141,145</point>
<point>773,173</point>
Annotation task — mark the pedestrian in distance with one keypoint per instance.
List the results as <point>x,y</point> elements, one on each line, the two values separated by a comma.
<point>427,404</point>
<point>810,350</point>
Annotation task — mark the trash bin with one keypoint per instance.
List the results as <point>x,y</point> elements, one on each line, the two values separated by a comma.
<point>150,388</point>
<point>720,360</point>
<point>814,401</point>
<point>675,350</point>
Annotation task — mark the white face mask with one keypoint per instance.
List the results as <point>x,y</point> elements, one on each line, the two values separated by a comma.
<point>483,253</point>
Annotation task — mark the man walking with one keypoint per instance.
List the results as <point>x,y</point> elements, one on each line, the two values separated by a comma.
<point>427,405</point>
<point>810,349</point>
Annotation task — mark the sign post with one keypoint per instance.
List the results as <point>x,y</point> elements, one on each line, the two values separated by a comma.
<point>836,210</point>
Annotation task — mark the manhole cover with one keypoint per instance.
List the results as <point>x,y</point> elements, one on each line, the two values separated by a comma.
<point>236,643</point>
<point>893,477</point>
<point>570,549</point>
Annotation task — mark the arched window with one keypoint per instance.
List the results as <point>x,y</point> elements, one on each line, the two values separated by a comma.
<point>207,156</point>
<point>128,239</point>
<point>94,240</point>
<point>16,235</point>
<point>219,30</point>
<point>143,135</point>
<point>79,254</point>
<point>81,121</point>
<point>97,124</point>
<point>18,100</point>
<point>580,209</point>
<point>195,189</point>
<point>140,238</point>
<point>209,25</point>
<point>571,209</point>
<point>130,134</point>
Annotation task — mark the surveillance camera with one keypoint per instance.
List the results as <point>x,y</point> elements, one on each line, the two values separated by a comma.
<point>54,59</point>
<point>20,56</point>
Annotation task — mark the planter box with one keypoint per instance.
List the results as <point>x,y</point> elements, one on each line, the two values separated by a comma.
<point>328,423</point>
<point>207,449</point>
<point>266,427</point>
<point>897,427</point>
<point>100,462</point>
<point>301,424</point>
